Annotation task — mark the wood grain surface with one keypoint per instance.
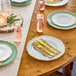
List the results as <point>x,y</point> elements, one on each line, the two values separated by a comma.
<point>32,67</point>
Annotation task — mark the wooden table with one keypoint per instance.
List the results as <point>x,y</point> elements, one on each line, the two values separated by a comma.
<point>32,67</point>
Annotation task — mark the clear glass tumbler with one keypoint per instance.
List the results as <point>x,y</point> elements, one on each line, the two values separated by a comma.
<point>18,34</point>
<point>40,22</point>
<point>5,8</point>
<point>42,5</point>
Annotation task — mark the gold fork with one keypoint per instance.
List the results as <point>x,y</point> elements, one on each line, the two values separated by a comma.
<point>0,63</point>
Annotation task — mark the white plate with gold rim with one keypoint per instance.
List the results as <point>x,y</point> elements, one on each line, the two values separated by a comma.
<point>54,42</point>
<point>60,3</point>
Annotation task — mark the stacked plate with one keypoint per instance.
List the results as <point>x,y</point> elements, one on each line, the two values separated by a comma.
<point>8,53</point>
<point>62,20</point>
<point>20,2</point>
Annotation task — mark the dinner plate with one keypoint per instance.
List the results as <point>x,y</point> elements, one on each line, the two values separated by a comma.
<point>10,28</point>
<point>19,1</point>
<point>13,55</point>
<point>61,3</point>
<point>51,23</point>
<point>63,19</point>
<point>54,42</point>
<point>5,52</point>
<point>26,2</point>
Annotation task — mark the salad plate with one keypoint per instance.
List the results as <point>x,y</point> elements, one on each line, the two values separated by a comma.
<point>63,19</point>
<point>54,42</point>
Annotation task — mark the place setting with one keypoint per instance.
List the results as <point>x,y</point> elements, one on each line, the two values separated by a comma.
<point>8,53</point>
<point>9,20</point>
<point>45,48</point>
<point>62,20</point>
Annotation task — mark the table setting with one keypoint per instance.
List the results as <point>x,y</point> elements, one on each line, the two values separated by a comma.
<point>62,20</point>
<point>37,37</point>
<point>14,38</point>
<point>47,23</point>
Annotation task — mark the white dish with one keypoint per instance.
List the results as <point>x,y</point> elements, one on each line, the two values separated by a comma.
<point>61,3</point>
<point>19,1</point>
<point>5,52</point>
<point>63,19</point>
<point>13,26</point>
<point>54,42</point>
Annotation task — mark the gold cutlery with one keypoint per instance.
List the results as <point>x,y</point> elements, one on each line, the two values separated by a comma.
<point>44,48</point>
<point>0,63</point>
<point>53,1</point>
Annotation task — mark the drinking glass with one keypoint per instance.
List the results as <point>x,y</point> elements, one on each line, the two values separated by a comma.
<point>18,34</point>
<point>5,8</point>
<point>41,5</point>
<point>40,22</point>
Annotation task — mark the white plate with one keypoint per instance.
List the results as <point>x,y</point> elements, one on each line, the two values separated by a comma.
<point>19,1</point>
<point>63,19</point>
<point>13,26</point>
<point>54,42</point>
<point>5,52</point>
<point>61,3</point>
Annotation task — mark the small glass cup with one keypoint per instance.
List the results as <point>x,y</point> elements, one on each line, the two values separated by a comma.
<point>40,22</point>
<point>18,34</point>
<point>42,5</point>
